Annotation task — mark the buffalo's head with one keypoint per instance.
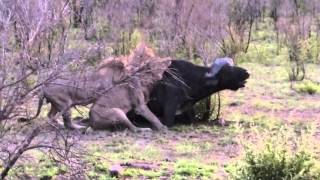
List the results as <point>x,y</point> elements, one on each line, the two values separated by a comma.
<point>225,75</point>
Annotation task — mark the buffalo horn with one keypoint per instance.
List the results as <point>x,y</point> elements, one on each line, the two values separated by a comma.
<point>218,64</point>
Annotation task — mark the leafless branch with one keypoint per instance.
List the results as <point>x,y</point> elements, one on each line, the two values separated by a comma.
<point>18,152</point>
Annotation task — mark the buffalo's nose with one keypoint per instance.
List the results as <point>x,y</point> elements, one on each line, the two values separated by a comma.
<point>248,74</point>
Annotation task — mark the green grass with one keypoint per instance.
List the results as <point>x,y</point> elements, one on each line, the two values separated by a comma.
<point>80,111</point>
<point>190,169</point>
<point>99,176</point>
<point>305,127</point>
<point>136,173</point>
<point>43,169</point>
<point>260,120</point>
<point>266,105</point>
<point>300,104</point>
<point>263,48</point>
<point>191,148</point>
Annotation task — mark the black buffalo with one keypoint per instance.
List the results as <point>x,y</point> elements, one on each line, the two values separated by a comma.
<point>185,84</point>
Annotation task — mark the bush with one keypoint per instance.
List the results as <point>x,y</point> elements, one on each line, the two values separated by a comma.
<point>264,52</point>
<point>103,28</point>
<point>275,163</point>
<point>308,87</point>
<point>311,49</point>
<point>127,42</point>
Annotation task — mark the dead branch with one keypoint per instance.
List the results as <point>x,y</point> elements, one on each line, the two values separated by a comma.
<point>140,165</point>
<point>19,151</point>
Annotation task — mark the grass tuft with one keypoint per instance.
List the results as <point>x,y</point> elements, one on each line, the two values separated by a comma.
<point>185,169</point>
<point>308,87</point>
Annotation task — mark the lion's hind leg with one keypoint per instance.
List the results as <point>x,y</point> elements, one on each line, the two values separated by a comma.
<point>144,111</point>
<point>109,118</point>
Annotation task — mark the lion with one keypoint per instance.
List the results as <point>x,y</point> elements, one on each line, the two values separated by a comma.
<point>114,77</point>
<point>132,94</point>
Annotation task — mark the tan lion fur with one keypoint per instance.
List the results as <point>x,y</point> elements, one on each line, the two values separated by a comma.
<point>123,83</point>
<point>142,70</point>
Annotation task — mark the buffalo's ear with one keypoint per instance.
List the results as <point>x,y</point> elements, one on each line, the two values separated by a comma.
<point>212,81</point>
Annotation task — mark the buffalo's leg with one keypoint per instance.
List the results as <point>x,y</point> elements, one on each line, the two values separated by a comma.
<point>169,113</point>
<point>144,111</point>
<point>171,104</point>
<point>187,117</point>
<point>111,117</point>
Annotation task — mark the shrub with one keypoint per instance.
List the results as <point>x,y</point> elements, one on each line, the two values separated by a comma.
<point>103,28</point>
<point>128,41</point>
<point>311,49</point>
<point>308,87</point>
<point>275,163</point>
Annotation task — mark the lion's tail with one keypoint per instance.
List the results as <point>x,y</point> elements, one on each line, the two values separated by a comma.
<point>40,103</point>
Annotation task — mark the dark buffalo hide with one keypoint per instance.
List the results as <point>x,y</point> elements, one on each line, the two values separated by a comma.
<point>184,84</point>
